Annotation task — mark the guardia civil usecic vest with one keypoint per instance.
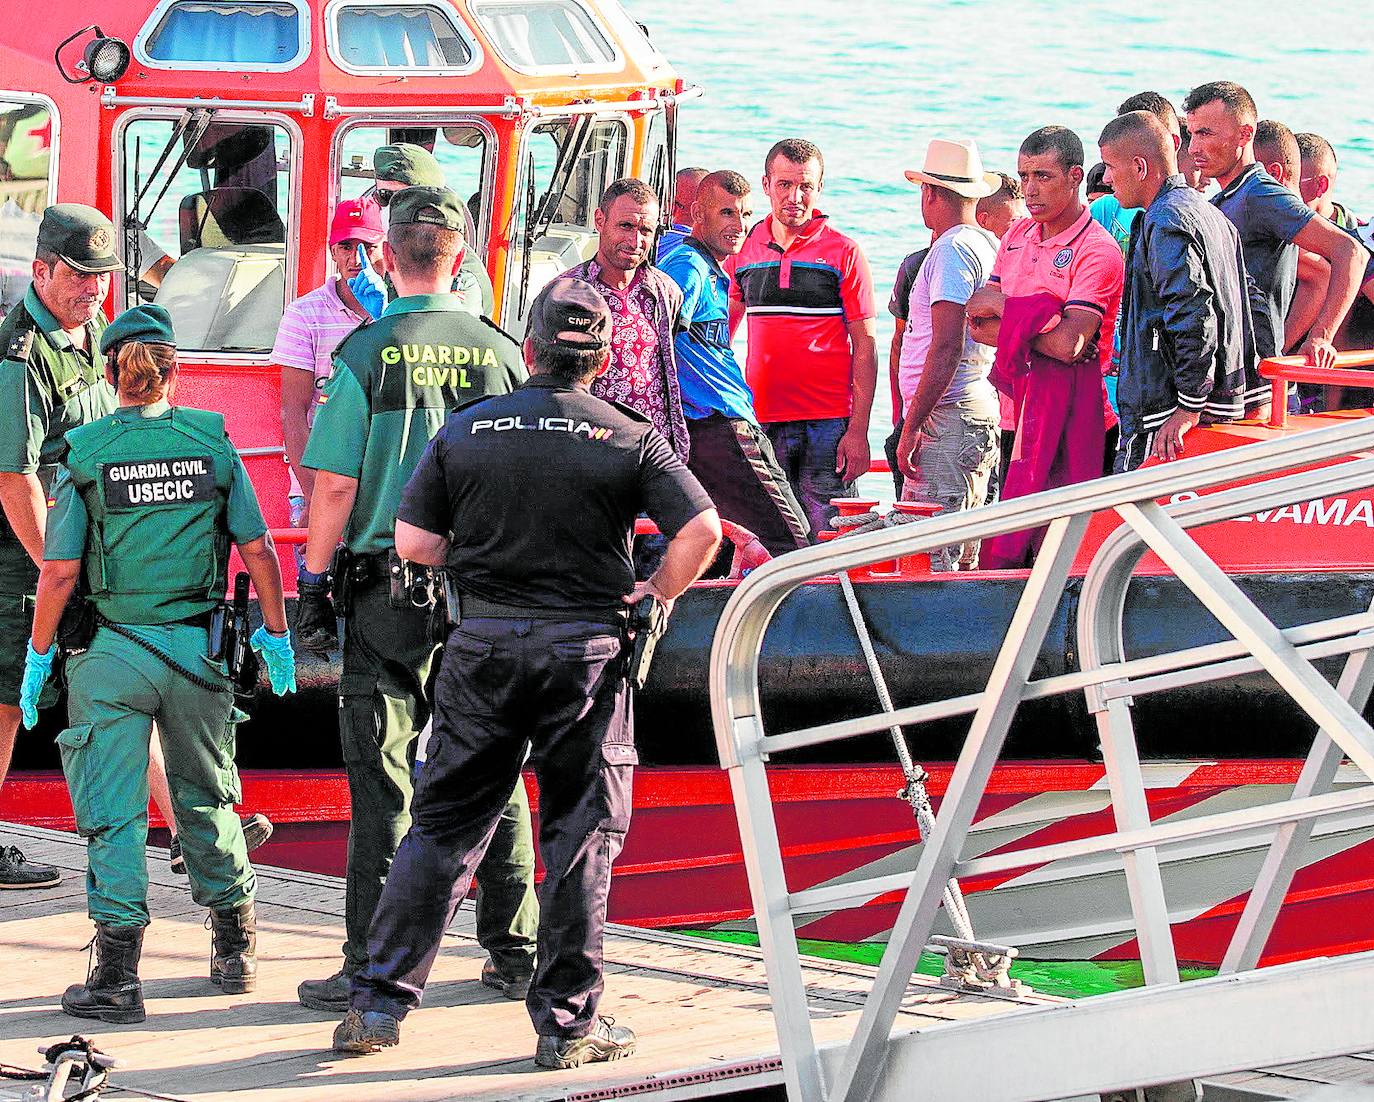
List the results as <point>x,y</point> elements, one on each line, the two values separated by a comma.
<point>162,481</point>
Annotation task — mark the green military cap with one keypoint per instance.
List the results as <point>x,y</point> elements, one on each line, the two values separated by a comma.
<point>407,164</point>
<point>429,206</point>
<point>81,236</point>
<point>148,324</point>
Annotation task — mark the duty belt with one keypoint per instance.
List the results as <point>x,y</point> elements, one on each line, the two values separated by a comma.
<point>475,608</point>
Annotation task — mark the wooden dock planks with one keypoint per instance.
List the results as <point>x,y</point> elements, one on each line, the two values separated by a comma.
<point>697,1006</point>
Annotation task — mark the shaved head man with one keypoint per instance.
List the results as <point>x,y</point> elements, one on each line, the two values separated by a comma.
<point>1276,148</point>
<point>1143,157</point>
<point>685,185</point>
<point>1186,338</point>
<point>730,454</point>
<point>1317,179</point>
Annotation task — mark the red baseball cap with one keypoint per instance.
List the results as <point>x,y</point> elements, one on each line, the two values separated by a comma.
<point>357,220</point>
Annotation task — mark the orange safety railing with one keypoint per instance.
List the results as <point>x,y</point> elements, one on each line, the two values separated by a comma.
<point>1282,370</point>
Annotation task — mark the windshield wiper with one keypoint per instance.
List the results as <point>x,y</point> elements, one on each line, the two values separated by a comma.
<point>537,224</point>
<point>192,125</point>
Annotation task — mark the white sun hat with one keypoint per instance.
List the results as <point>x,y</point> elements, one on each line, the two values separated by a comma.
<point>957,166</point>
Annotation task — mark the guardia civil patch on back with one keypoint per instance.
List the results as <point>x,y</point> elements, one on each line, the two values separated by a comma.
<point>147,482</point>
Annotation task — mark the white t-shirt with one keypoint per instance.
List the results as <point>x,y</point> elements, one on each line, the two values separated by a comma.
<point>959,262</point>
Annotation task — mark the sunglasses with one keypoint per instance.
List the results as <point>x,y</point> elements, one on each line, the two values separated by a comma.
<point>380,196</point>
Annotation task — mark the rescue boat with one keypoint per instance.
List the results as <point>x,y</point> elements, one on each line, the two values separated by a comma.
<point>220,133</point>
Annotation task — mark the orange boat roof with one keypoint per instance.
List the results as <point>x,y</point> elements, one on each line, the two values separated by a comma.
<point>26,56</point>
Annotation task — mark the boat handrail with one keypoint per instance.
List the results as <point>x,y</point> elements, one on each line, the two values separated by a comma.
<point>1282,370</point>
<point>1294,468</point>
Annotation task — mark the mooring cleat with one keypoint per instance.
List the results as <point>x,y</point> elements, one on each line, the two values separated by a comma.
<point>366,1031</point>
<point>606,1041</point>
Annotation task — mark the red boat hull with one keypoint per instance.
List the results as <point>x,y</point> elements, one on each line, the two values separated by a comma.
<point>682,864</point>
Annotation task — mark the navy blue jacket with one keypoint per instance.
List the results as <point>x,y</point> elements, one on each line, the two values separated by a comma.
<point>1187,331</point>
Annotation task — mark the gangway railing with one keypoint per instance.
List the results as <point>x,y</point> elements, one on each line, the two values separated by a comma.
<point>1297,468</point>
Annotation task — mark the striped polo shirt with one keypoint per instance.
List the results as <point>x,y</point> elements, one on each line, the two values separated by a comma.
<point>800,302</point>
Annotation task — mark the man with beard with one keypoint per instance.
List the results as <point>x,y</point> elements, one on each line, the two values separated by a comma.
<point>812,362</point>
<point>644,310</point>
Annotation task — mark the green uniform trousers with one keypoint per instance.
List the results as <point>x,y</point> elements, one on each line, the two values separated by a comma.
<point>116,691</point>
<point>384,703</point>
<point>18,583</point>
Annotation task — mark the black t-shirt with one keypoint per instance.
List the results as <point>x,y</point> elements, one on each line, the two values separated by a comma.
<point>539,490</point>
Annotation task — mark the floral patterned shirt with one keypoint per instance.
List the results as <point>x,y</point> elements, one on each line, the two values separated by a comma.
<point>643,371</point>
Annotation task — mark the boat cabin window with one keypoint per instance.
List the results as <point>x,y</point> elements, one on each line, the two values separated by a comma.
<point>26,163</point>
<point>567,164</point>
<point>225,34</point>
<point>382,35</point>
<point>654,166</point>
<point>461,150</point>
<point>206,203</point>
<point>545,36</point>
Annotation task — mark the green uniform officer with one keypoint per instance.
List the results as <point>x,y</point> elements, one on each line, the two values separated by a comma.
<point>148,501</point>
<point>394,383</point>
<point>405,165</point>
<point>51,380</point>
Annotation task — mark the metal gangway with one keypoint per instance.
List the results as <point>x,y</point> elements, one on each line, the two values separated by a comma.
<point>1243,1018</point>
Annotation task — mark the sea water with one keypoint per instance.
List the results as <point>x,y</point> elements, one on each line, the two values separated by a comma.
<point>872,81</point>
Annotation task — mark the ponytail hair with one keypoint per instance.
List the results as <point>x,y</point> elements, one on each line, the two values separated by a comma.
<point>141,370</point>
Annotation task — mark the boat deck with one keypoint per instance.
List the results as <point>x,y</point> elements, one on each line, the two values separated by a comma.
<point>700,1008</point>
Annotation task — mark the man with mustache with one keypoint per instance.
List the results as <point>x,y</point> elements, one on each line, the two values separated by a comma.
<point>644,304</point>
<point>52,379</point>
<point>812,362</point>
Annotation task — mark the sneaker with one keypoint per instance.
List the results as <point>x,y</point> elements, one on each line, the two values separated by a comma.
<point>329,995</point>
<point>606,1041</point>
<point>17,871</point>
<point>512,986</point>
<point>366,1031</point>
<point>257,829</point>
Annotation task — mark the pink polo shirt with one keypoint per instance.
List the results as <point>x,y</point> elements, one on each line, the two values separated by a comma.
<point>1081,266</point>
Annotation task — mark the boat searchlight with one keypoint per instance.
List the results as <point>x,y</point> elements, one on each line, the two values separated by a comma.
<point>105,59</point>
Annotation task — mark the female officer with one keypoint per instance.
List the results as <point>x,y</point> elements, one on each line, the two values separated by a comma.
<point>147,503</point>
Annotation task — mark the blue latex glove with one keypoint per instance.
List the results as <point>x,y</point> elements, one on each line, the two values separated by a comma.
<point>368,287</point>
<point>276,651</point>
<point>37,669</point>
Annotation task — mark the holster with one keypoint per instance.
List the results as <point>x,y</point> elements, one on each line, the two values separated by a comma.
<point>648,622</point>
<point>76,629</point>
<point>344,582</point>
<point>412,585</point>
<point>229,639</point>
<point>447,613</point>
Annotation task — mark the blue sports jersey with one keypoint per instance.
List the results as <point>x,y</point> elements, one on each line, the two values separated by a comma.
<point>708,373</point>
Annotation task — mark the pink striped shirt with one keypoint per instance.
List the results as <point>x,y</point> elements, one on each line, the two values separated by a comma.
<point>311,328</point>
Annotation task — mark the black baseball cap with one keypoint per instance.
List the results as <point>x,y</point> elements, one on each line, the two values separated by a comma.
<point>572,314</point>
<point>81,236</point>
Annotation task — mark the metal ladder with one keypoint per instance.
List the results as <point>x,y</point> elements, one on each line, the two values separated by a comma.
<point>1176,1031</point>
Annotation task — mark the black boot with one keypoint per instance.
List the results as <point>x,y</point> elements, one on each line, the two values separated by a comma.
<point>233,948</point>
<point>112,991</point>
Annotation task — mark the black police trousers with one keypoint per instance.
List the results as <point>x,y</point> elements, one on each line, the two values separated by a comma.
<point>558,687</point>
